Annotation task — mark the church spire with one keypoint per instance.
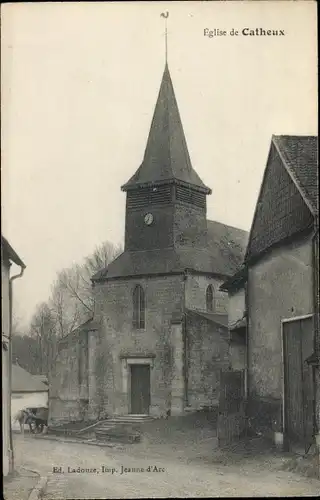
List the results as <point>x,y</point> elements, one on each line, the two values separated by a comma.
<point>166,157</point>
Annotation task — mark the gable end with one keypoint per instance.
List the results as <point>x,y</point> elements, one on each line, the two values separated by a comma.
<point>281,212</point>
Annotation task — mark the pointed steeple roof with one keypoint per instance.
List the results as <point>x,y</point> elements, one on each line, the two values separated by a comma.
<point>166,157</point>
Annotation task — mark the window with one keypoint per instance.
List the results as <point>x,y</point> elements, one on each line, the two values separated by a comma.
<point>139,307</point>
<point>210,298</point>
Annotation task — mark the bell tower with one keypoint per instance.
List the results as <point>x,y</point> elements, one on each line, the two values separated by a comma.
<point>166,199</point>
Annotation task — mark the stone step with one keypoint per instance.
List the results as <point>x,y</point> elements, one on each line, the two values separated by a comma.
<point>117,433</point>
<point>105,427</point>
<point>125,419</point>
<point>122,428</point>
<point>123,425</point>
<point>134,415</point>
<point>118,437</point>
<point>114,425</point>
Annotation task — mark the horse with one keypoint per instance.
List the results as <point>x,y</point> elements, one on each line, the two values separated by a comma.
<point>24,416</point>
<point>41,419</point>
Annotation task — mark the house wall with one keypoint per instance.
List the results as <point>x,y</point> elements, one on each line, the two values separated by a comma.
<point>238,353</point>
<point>279,287</point>
<point>5,318</point>
<point>5,312</point>
<point>195,292</point>
<point>117,338</point>
<point>68,383</point>
<point>236,311</point>
<point>207,354</point>
<point>236,306</point>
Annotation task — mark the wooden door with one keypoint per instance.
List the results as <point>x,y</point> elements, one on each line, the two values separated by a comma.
<point>298,382</point>
<point>231,417</point>
<point>140,389</point>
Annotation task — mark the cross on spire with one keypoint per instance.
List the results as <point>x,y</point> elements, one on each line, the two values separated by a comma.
<point>165,15</point>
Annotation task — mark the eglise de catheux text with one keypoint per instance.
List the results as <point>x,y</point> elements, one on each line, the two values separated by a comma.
<point>190,297</point>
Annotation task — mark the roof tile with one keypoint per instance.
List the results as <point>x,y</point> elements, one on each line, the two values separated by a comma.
<point>300,154</point>
<point>222,256</point>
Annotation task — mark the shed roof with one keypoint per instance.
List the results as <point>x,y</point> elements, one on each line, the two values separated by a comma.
<point>239,324</point>
<point>23,381</point>
<point>10,253</point>
<point>220,320</point>
<point>236,281</point>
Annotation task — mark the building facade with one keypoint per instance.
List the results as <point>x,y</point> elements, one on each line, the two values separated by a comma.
<point>279,283</point>
<point>158,337</point>
<point>27,391</point>
<point>8,256</point>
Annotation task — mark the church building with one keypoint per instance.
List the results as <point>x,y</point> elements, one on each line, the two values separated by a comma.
<point>159,335</point>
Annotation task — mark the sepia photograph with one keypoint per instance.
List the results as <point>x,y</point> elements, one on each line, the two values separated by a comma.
<point>160,250</point>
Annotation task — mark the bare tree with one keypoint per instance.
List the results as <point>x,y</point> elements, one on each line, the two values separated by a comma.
<point>43,330</point>
<point>16,323</point>
<point>72,299</point>
<point>66,303</point>
<point>101,257</point>
<point>71,302</point>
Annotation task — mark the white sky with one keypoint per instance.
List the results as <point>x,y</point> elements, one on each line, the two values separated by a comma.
<point>79,85</point>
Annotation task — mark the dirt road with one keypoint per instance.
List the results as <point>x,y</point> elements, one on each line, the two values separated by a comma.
<point>79,471</point>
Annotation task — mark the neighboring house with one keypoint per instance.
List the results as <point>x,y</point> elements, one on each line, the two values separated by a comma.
<point>27,391</point>
<point>274,297</point>
<point>159,335</point>
<point>8,256</point>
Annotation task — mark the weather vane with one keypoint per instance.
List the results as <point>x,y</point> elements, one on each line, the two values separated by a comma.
<point>165,15</point>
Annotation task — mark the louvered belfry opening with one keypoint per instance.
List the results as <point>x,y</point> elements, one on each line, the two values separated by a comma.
<point>144,197</point>
<point>164,195</point>
<point>190,196</point>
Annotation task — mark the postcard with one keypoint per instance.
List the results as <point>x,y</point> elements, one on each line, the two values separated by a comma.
<point>160,249</point>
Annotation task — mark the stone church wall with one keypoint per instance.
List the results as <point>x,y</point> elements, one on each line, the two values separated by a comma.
<point>91,378</point>
<point>196,287</point>
<point>68,390</point>
<point>188,217</point>
<point>120,340</point>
